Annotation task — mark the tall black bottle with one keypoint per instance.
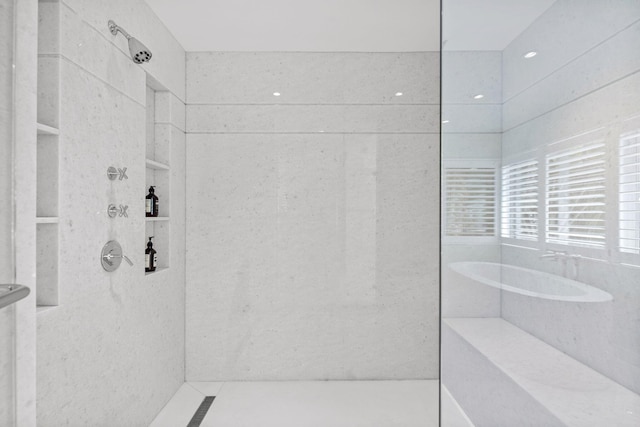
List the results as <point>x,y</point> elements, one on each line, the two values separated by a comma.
<point>151,203</point>
<point>150,257</point>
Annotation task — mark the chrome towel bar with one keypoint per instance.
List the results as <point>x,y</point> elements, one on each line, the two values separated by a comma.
<point>12,293</point>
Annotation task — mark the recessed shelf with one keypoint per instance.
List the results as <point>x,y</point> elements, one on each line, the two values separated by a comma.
<point>46,130</point>
<point>152,164</point>
<point>158,270</point>
<point>157,218</point>
<point>47,220</point>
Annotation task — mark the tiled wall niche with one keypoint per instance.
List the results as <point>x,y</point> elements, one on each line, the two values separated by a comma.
<point>158,170</point>
<point>48,140</point>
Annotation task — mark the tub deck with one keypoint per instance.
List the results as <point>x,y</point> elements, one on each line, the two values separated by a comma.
<point>530,380</point>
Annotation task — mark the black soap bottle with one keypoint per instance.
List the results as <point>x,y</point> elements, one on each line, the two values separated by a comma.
<point>150,257</point>
<point>151,203</point>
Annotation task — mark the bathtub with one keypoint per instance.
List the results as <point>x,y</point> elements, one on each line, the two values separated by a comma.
<point>528,282</point>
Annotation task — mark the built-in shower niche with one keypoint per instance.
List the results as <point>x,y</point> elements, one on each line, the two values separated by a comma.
<point>48,142</point>
<point>159,131</point>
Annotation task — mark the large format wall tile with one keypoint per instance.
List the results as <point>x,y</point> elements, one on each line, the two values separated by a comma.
<point>91,346</point>
<point>312,256</point>
<point>467,74</point>
<point>568,29</point>
<point>312,118</point>
<point>168,63</point>
<point>614,59</point>
<point>312,78</point>
<point>584,84</point>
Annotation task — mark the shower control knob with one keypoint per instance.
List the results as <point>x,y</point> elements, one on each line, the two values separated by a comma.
<point>113,211</point>
<point>119,173</point>
<point>112,173</point>
<point>112,256</point>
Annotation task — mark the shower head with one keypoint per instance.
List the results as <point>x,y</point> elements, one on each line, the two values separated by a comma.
<point>139,52</point>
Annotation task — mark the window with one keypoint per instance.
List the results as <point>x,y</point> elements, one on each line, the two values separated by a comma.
<point>575,196</point>
<point>520,201</point>
<point>629,194</point>
<point>470,203</point>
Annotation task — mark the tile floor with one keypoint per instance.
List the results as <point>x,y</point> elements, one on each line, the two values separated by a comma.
<point>310,404</point>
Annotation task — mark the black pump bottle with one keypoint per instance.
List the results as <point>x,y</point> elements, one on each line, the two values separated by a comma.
<point>150,257</point>
<point>151,203</point>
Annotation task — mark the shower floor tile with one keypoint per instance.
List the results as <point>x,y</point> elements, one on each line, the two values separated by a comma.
<point>309,404</point>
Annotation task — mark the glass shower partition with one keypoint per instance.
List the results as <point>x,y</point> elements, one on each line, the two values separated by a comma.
<point>541,212</point>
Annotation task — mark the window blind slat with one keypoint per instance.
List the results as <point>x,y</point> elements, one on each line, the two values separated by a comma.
<point>519,210</point>
<point>629,197</point>
<point>575,196</point>
<point>470,201</point>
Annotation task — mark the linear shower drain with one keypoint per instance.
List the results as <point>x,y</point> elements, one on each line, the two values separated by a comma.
<point>201,412</point>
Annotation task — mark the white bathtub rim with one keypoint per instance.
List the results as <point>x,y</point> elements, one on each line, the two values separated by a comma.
<point>589,293</point>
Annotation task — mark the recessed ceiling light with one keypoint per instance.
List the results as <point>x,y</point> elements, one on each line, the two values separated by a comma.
<point>530,54</point>
<point>276,93</point>
<point>398,93</point>
<point>478,96</point>
<point>445,121</point>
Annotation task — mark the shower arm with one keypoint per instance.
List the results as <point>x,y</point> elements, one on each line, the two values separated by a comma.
<point>114,28</point>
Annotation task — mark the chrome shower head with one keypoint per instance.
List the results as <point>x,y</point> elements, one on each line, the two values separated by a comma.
<point>139,52</point>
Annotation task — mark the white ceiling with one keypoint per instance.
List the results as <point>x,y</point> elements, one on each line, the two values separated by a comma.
<point>345,25</point>
<point>302,25</point>
<point>487,24</point>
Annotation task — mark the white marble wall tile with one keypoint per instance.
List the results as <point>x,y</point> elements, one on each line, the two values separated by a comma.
<point>49,90</point>
<point>312,118</point>
<point>178,113</point>
<point>168,62</point>
<point>580,92</point>
<point>310,78</point>
<point>7,315</point>
<point>236,176</point>
<point>268,273</point>
<point>614,102</point>
<point>608,62</point>
<point>296,219</point>
<point>559,36</point>
<point>162,107</point>
<point>24,150</point>
<point>47,176</point>
<point>7,365</point>
<point>48,28</point>
<point>79,42</point>
<point>107,322</point>
<point>163,133</point>
<point>169,109</point>
<point>467,118</point>
<point>47,264</point>
<point>471,146</point>
<point>467,74</point>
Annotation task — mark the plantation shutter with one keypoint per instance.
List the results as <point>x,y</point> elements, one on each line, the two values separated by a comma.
<point>575,196</point>
<point>520,200</point>
<point>629,194</point>
<point>470,201</point>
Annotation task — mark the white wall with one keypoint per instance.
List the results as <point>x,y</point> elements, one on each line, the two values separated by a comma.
<point>584,77</point>
<point>7,315</point>
<point>112,352</point>
<point>312,218</point>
